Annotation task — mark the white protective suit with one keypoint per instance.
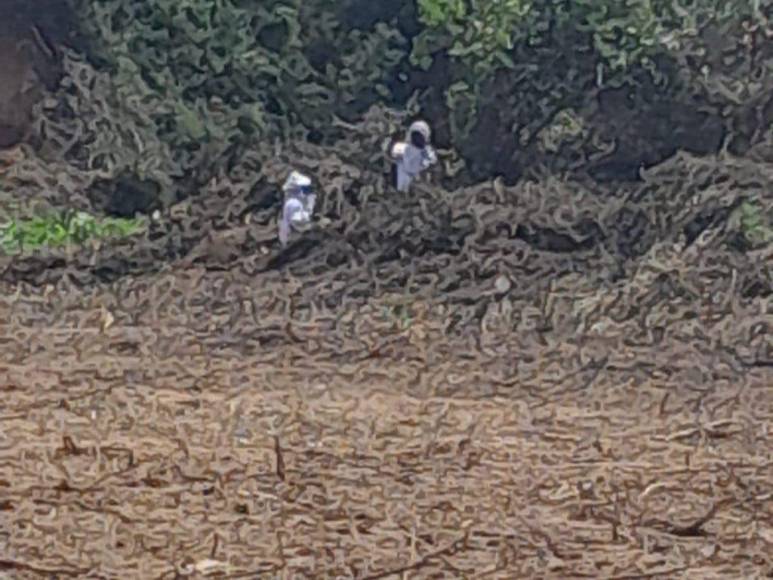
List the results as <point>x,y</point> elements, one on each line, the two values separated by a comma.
<point>298,205</point>
<point>410,159</point>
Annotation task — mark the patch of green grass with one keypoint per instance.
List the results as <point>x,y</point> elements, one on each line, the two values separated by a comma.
<point>61,229</point>
<point>753,224</point>
<point>400,315</point>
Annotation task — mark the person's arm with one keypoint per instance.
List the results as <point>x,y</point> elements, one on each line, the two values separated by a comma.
<point>309,201</point>
<point>429,158</point>
<point>289,214</point>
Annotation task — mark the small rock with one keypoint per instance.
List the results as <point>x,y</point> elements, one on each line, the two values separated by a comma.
<point>766,533</point>
<point>208,565</point>
<point>106,319</point>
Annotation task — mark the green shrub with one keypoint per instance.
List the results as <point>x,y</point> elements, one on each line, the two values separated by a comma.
<point>754,224</point>
<point>485,35</point>
<point>222,68</point>
<point>481,34</point>
<point>216,76</point>
<point>535,58</point>
<point>61,229</point>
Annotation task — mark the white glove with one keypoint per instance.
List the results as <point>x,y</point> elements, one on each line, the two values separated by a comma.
<point>429,158</point>
<point>398,149</point>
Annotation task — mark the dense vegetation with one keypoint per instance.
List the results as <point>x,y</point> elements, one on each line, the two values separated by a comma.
<point>571,83</point>
<point>599,62</point>
<point>161,96</point>
<point>61,229</point>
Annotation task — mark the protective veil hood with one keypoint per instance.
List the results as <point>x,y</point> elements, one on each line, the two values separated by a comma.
<point>296,181</point>
<point>420,127</point>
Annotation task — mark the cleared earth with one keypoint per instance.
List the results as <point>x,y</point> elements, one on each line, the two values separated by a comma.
<point>154,449</point>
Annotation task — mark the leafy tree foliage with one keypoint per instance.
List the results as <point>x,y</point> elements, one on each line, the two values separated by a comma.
<point>560,54</point>
<point>492,74</point>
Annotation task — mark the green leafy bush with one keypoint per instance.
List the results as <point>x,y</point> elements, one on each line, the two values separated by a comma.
<point>531,59</point>
<point>753,224</point>
<point>62,229</point>
<point>484,35</point>
<point>222,68</point>
<point>214,77</point>
<point>481,34</point>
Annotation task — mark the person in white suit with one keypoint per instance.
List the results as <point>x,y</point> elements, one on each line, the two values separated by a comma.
<point>413,155</point>
<point>298,205</point>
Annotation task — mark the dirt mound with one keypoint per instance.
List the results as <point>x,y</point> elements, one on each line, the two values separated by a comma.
<point>680,224</point>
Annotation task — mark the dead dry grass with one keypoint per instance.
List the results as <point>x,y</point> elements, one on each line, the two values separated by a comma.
<point>155,449</point>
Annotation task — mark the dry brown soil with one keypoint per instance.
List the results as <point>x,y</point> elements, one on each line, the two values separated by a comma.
<point>186,424</point>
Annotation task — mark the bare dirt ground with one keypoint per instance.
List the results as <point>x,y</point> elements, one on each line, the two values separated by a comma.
<point>163,428</point>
